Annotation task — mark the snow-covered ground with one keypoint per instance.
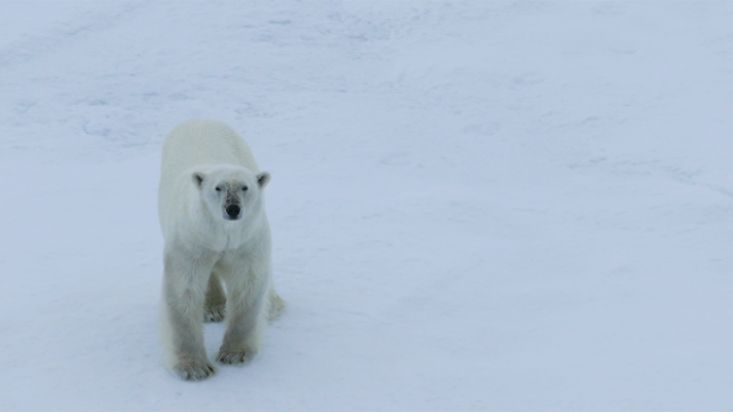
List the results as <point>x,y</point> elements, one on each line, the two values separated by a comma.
<point>478,205</point>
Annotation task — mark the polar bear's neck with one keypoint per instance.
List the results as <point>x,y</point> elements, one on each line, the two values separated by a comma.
<point>240,234</point>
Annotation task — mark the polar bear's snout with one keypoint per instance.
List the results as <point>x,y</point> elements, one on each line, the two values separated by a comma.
<point>233,211</point>
<point>232,201</point>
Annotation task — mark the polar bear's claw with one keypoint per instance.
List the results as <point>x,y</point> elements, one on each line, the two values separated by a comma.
<point>231,358</point>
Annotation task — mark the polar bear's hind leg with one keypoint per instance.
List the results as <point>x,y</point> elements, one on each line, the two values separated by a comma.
<point>216,300</point>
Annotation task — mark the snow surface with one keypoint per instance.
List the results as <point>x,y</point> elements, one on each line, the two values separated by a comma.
<point>479,205</point>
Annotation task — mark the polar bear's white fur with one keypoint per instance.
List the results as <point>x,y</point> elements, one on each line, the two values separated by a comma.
<point>215,229</point>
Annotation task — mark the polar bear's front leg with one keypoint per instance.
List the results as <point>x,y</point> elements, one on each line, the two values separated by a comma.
<point>186,278</point>
<point>246,319</point>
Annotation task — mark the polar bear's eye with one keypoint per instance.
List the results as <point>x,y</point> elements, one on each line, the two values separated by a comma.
<point>244,188</point>
<point>218,188</point>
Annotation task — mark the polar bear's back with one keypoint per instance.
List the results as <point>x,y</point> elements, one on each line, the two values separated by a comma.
<point>202,142</point>
<point>190,146</point>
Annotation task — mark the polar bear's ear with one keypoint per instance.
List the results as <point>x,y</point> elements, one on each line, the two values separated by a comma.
<point>198,179</point>
<point>262,179</point>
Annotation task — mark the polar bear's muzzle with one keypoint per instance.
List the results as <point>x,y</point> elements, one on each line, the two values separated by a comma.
<point>232,203</point>
<point>233,211</point>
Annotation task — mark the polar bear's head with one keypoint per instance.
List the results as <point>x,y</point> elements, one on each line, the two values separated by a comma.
<point>231,192</point>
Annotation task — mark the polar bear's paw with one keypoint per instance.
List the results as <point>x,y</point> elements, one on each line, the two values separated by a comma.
<point>214,313</point>
<point>194,370</point>
<point>233,358</point>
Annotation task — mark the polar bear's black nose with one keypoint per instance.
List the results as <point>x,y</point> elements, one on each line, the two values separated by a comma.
<point>233,211</point>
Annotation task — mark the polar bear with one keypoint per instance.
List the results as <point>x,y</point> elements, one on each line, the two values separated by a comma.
<point>213,221</point>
